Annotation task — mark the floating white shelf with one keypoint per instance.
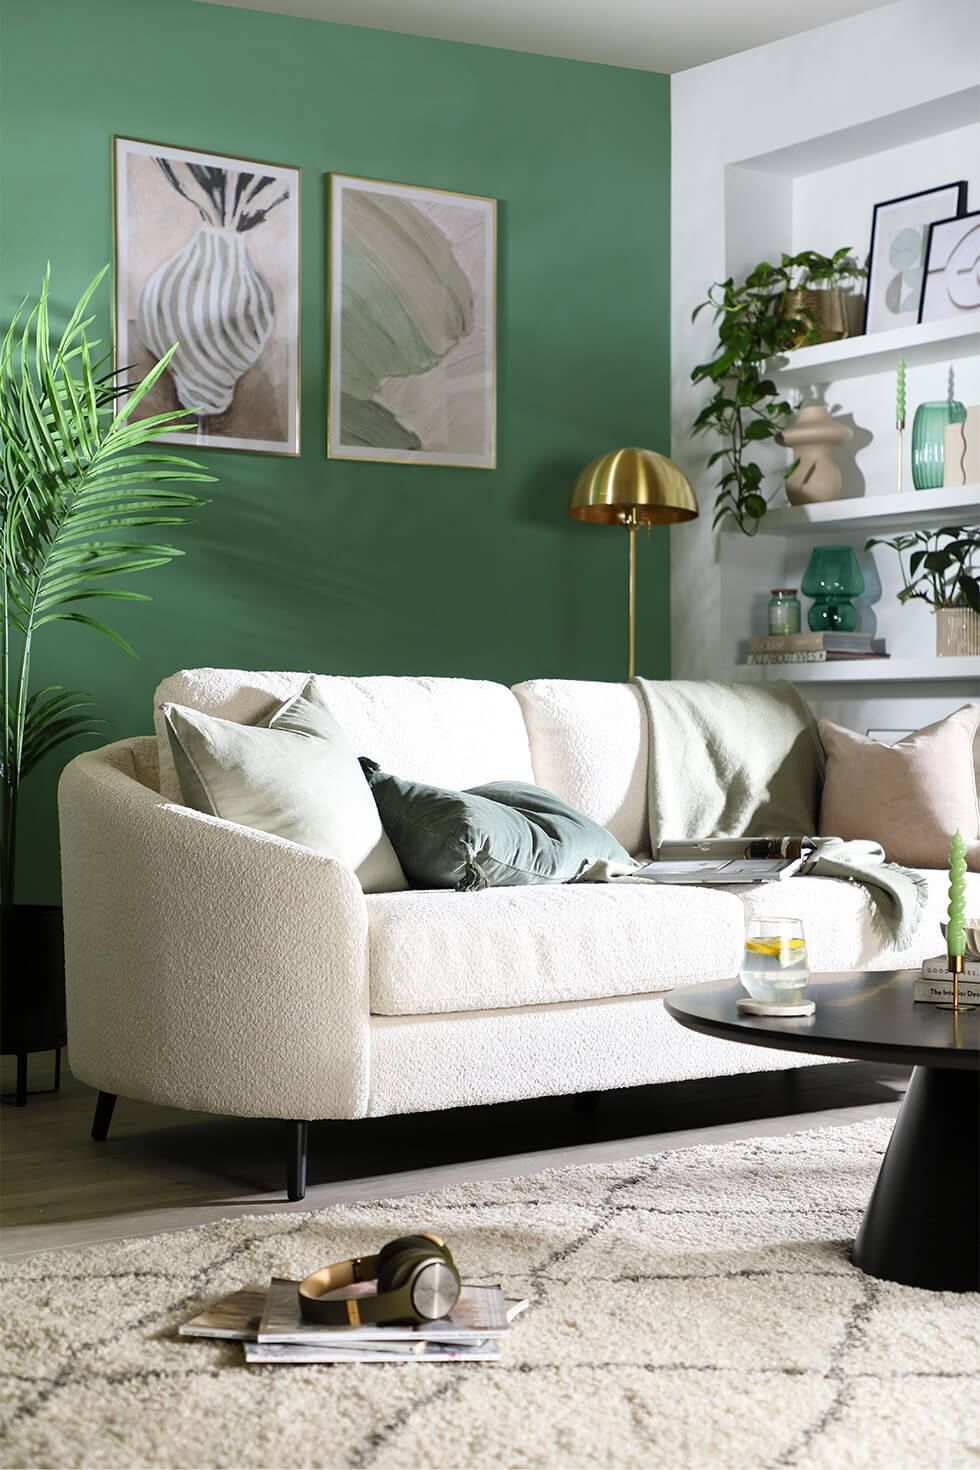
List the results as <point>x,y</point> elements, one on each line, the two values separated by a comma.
<point>874,671</point>
<point>853,357</point>
<point>913,509</point>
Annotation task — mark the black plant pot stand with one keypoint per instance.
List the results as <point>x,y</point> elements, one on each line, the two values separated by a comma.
<point>21,1093</point>
<point>32,992</point>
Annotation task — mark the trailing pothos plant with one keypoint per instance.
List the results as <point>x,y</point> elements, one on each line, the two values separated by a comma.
<point>746,411</point>
<point>77,489</point>
<point>943,566</point>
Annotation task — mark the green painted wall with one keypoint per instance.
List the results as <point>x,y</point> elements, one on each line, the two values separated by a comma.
<point>359,568</point>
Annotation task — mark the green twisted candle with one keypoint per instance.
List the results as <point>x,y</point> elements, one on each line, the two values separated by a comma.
<point>900,401</point>
<point>956,920</point>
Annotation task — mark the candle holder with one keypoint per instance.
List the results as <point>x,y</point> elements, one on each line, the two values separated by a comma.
<point>900,422</point>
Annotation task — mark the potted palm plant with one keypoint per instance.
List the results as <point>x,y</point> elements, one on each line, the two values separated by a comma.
<point>77,492</point>
<point>942,572</point>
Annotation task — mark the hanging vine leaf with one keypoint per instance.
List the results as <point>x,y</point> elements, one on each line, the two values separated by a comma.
<point>745,412</point>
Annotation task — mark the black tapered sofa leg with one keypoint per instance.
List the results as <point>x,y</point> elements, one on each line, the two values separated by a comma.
<point>297,1153</point>
<point>104,1104</point>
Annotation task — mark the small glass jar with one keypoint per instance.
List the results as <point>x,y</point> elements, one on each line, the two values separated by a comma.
<point>784,611</point>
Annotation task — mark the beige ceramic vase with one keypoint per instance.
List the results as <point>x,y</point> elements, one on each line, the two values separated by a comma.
<point>811,438</point>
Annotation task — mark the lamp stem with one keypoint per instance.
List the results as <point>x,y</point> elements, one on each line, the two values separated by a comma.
<point>631,526</point>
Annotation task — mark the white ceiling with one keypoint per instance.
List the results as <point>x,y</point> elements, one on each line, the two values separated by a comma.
<point>654,35</point>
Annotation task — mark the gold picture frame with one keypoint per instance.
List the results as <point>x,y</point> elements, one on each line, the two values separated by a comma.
<point>412,280</point>
<point>207,252</point>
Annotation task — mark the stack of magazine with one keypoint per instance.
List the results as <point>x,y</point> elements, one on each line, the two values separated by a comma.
<point>268,1323</point>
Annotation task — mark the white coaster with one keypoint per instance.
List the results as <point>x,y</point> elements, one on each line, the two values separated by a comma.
<point>760,1007</point>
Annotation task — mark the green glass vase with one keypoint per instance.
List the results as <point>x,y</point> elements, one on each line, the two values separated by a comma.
<point>832,578</point>
<point>929,440</point>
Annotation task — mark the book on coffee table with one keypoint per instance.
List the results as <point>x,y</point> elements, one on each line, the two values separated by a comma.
<point>936,982</point>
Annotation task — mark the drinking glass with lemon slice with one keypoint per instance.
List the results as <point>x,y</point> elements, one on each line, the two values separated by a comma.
<point>775,969</point>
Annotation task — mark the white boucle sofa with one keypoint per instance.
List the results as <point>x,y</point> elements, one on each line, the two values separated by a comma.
<point>214,967</point>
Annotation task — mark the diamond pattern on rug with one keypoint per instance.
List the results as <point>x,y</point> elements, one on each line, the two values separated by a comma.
<point>695,1310</point>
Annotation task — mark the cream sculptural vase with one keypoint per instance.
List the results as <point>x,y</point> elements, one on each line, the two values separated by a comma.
<point>811,438</point>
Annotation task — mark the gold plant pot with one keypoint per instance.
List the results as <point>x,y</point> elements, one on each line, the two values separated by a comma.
<point>957,632</point>
<point>826,309</point>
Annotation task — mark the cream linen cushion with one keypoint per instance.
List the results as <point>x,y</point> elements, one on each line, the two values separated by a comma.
<point>910,797</point>
<point>296,777</point>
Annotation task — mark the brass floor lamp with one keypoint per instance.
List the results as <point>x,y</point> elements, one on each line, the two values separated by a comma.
<point>632,488</point>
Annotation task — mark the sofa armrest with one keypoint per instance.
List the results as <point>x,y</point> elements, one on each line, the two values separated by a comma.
<point>209,966</point>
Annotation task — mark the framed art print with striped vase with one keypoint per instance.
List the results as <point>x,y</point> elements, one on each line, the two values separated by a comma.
<point>207,256</point>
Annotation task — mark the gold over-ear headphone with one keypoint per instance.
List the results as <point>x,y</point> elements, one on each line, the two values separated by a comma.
<point>417,1282</point>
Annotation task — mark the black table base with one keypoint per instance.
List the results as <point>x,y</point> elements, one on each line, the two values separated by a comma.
<point>922,1225</point>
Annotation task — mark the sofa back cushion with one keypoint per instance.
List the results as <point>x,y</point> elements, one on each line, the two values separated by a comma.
<point>589,746</point>
<point>447,732</point>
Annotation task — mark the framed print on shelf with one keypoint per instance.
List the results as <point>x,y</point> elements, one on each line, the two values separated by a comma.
<point>896,259</point>
<point>412,319</point>
<point>207,255</point>
<point>951,283</point>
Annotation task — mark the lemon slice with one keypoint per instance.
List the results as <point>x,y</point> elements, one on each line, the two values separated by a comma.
<point>774,948</point>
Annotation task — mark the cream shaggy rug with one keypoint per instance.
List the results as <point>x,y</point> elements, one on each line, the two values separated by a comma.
<point>694,1308</point>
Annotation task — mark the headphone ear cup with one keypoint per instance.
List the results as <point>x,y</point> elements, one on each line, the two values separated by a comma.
<point>394,1248</point>
<point>399,1270</point>
<point>403,1267</point>
<point>448,1258</point>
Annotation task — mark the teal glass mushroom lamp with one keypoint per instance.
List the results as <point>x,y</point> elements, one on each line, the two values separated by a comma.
<point>832,578</point>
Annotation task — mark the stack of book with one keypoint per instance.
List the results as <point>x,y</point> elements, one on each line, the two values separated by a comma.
<point>268,1323</point>
<point>936,983</point>
<point>814,648</point>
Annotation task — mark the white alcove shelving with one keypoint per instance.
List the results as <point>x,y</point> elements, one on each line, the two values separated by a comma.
<point>818,192</point>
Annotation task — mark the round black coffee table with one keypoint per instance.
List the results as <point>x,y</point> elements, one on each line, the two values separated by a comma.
<point>922,1224</point>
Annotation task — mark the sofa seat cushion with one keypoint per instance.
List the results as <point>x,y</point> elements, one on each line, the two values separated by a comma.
<point>839,920</point>
<point>433,952</point>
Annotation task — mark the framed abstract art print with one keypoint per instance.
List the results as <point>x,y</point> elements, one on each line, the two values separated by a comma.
<point>412,307</point>
<point>951,283</point>
<point>207,256</point>
<point>896,260</point>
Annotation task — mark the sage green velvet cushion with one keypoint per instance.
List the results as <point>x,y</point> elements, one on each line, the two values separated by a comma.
<point>295,776</point>
<point>499,835</point>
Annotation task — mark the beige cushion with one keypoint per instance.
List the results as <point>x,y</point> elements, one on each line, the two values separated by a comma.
<point>910,797</point>
<point>446,732</point>
<point>297,778</point>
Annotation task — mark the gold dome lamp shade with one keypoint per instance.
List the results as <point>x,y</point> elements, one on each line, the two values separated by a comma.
<point>632,488</point>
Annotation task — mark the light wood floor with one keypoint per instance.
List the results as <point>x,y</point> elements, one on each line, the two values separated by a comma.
<point>162,1169</point>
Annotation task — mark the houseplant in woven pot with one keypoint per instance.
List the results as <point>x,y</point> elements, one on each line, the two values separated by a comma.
<point>942,571</point>
<point>78,490</point>
<point>773,311</point>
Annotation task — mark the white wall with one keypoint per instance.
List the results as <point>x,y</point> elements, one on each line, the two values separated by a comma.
<point>785,147</point>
